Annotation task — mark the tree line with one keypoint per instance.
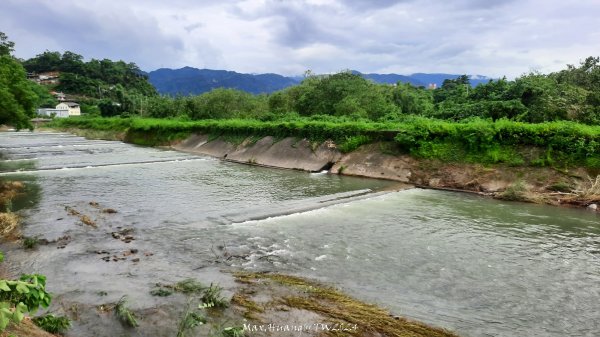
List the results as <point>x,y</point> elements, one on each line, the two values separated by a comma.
<point>95,78</point>
<point>109,88</point>
<point>572,94</point>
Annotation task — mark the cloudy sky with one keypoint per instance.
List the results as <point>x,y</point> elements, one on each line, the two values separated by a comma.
<point>488,37</point>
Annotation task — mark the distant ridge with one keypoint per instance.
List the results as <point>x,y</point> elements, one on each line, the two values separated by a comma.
<point>192,81</point>
<point>187,80</point>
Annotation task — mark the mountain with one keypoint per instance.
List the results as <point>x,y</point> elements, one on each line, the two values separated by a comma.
<point>192,81</point>
<point>187,80</point>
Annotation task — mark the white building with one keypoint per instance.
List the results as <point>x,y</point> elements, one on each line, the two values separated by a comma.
<point>72,107</point>
<point>59,113</point>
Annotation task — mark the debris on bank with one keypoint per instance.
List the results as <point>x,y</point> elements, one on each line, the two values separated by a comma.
<point>266,300</point>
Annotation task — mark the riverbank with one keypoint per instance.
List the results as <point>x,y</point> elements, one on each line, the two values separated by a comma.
<point>570,186</point>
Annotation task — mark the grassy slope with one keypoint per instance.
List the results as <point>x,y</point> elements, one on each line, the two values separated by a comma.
<point>555,144</point>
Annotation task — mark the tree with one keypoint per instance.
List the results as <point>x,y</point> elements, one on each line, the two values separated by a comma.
<point>342,94</point>
<point>45,99</point>
<point>17,99</point>
<point>93,78</point>
<point>587,75</point>
<point>413,100</point>
<point>47,61</point>
<point>223,103</point>
<point>72,63</point>
<point>6,46</point>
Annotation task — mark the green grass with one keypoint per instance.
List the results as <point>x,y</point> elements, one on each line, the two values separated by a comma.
<point>124,314</point>
<point>53,324</point>
<point>212,297</point>
<point>354,142</point>
<point>189,286</point>
<point>561,144</point>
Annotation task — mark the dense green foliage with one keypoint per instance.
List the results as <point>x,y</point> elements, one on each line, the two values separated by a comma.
<point>112,88</point>
<point>572,94</point>
<point>121,89</point>
<point>44,98</point>
<point>18,96</point>
<point>559,143</point>
<point>165,130</point>
<point>52,324</point>
<point>95,78</point>
<point>21,296</point>
<point>17,99</point>
<point>6,46</point>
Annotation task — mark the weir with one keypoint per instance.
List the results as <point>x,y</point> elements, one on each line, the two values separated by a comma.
<point>473,265</point>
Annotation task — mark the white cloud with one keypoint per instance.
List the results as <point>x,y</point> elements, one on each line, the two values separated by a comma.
<point>503,37</point>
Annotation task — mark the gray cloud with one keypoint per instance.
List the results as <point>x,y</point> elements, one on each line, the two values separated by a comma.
<point>362,5</point>
<point>192,27</point>
<point>117,34</point>
<point>500,37</point>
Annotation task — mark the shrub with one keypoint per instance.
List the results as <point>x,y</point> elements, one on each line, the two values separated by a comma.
<point>24,295</point>
<point>30,243</point>
<point>52,324</point>
<point>352,143</point>
<point>514,192</point>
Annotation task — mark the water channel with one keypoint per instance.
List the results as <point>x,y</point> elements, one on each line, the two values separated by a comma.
<point>476,266</point>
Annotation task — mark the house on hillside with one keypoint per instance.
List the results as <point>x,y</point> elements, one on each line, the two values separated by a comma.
<point>50,77</point>
<point>72,107</point>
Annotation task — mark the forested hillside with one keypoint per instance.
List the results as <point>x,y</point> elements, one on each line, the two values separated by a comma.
<point>571,94</point>
<point>191,81</point>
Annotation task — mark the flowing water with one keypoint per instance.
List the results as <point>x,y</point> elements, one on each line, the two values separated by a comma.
<point>476,266</point>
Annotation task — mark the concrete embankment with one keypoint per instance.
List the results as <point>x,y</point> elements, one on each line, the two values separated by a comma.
<point>379,160</point>
<point>289,153</point>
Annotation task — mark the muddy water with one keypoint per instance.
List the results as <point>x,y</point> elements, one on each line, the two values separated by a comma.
<point>476,266</point>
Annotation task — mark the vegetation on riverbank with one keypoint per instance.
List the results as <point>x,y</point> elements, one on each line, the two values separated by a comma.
<point>554,144</point>
<point>28,293</point>
<point>339,314</point>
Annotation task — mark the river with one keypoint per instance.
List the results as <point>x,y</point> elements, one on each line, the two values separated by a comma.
<point>476,266</point>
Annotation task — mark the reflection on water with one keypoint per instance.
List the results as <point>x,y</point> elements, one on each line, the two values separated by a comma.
<point>477,266</point>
